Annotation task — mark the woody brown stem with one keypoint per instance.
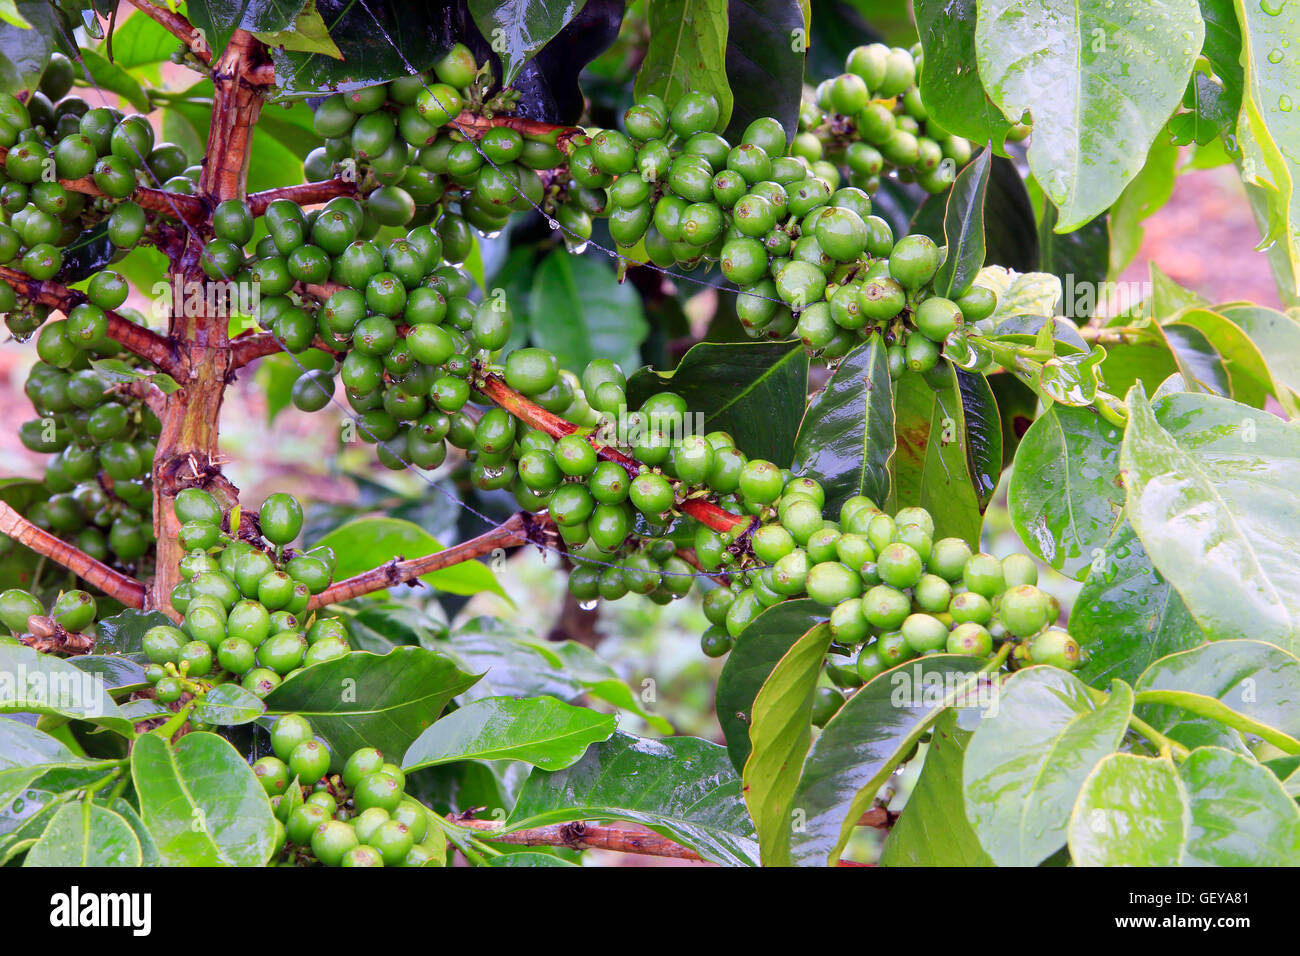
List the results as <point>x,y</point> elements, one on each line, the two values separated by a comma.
<point>304,194</point>
<point>149,345</point>
<point>116,585</point>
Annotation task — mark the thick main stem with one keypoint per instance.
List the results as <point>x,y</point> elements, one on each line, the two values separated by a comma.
<point>187,450</point>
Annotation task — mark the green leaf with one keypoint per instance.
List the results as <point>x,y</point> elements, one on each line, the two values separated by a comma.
<point>579,311</point>
<point>1249,685</point>
<point>933,829</point>
<point>1240,815</point>
<point>963,228</point>
<point>201,802</point>
<point>602,682</point>
<point>123,633</point>
<point>1131,811</point>
<point>112,78</point>
<point>847,435</point>
<point>1211,493</point>
<point>863,743</point>
<point>1268,127</point>
<point>86,834</point>
<point>308,34</point>
<point>1249,379</point>
<point>756,652</point>
<point>517,29</point>
<point>365,700</point>
<point>686,53</point>
<point>542,731</point>
<point>930,467</point>
<point>228,705</point>
<point>1223,48</point>
<point>982,427</point>
<point>756,391</point>
<point>1079,259</point>
<point>1199,363</point>
<point>1065,494</point>
<point>25,50</point>
<point>528,858</point>
<point>1127,615</point>
<point>682,787</point>
<point>766,40</point>
<point>1028,759</point>
<point>219,19</point>
<point>780,734</point>
<point>112,671</point>
<point>148,849</point>
<point>511,664</point>
<point>1020,293</point>
<point>1277,336</point>
<point>367,543</point>
<point>1100,83</point>
<point>1145,195</point>
<point>950,87</point>
<point>43,684</point>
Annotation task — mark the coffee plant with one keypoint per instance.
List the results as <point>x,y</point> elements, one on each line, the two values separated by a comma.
<point>757,307</point>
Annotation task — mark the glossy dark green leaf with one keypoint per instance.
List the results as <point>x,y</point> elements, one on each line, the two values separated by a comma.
<point>578,310</point>
<point>1199,362</point>
<point>307,34</point>
<point>933,829</point>
<point>1010,234</point>
<point>512,665</point>
<point>517,29</point>
<point>930,467</point>
<point>201,802</point>
<point>228,705</point>
<point>1028,759</point>
<point>950,86</point>
<point>1222,47</point>
<point>541,731</point>
<point>780,733</point>
<point>766,42</point>
<point>140,41</point>
<point>365,700</point>
<point>1097,106</point>
<point>1249,378</point>
<point>25,51</point>
<point>1248,685</point>
<point>862,745</point>
<point>756,652</point>
<point>846,437</point>
<point>687,53</point>
<point>123,633</point>
<point>112,670</point>
<point>682,787</point>
<point>1277,336</point>
<point>1127,615</point>
<point>86,834</point>
<point>755,391</point>
<point>963,229</point>
<point>218,19</point>
<point>983,428</point>
<point>148,849</point>
<point>42,684</point>
<point>369,542</point>
<point>1211,493</point>
<point>1080,259</point>
<point>1065,494</point>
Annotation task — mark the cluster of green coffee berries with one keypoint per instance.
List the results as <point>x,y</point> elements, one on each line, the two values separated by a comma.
<point>101,442</point>
<point>394,139</point>
<point>24,614</point>
<point>244,603</point>
<point>68,140</point>
<point>360,816</point>
<point>870,121</point>
<point>894,592</point>
<point>809,257</point>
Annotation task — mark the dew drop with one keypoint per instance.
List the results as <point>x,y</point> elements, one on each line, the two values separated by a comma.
<point>588,605</point>
<point>1275,55</point>
<point>1284,103</point>
<point>1272,7</point>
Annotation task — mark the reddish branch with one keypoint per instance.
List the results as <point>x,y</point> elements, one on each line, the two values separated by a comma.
<point>113,583</point>
<point>149,345</point>
<point>495,388</point>
<point>304,194</point>
<point>520,529</point>
<point>191,209</point>
<point>584,836</point>
<point>176,25</point>
<point>476,126</point>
